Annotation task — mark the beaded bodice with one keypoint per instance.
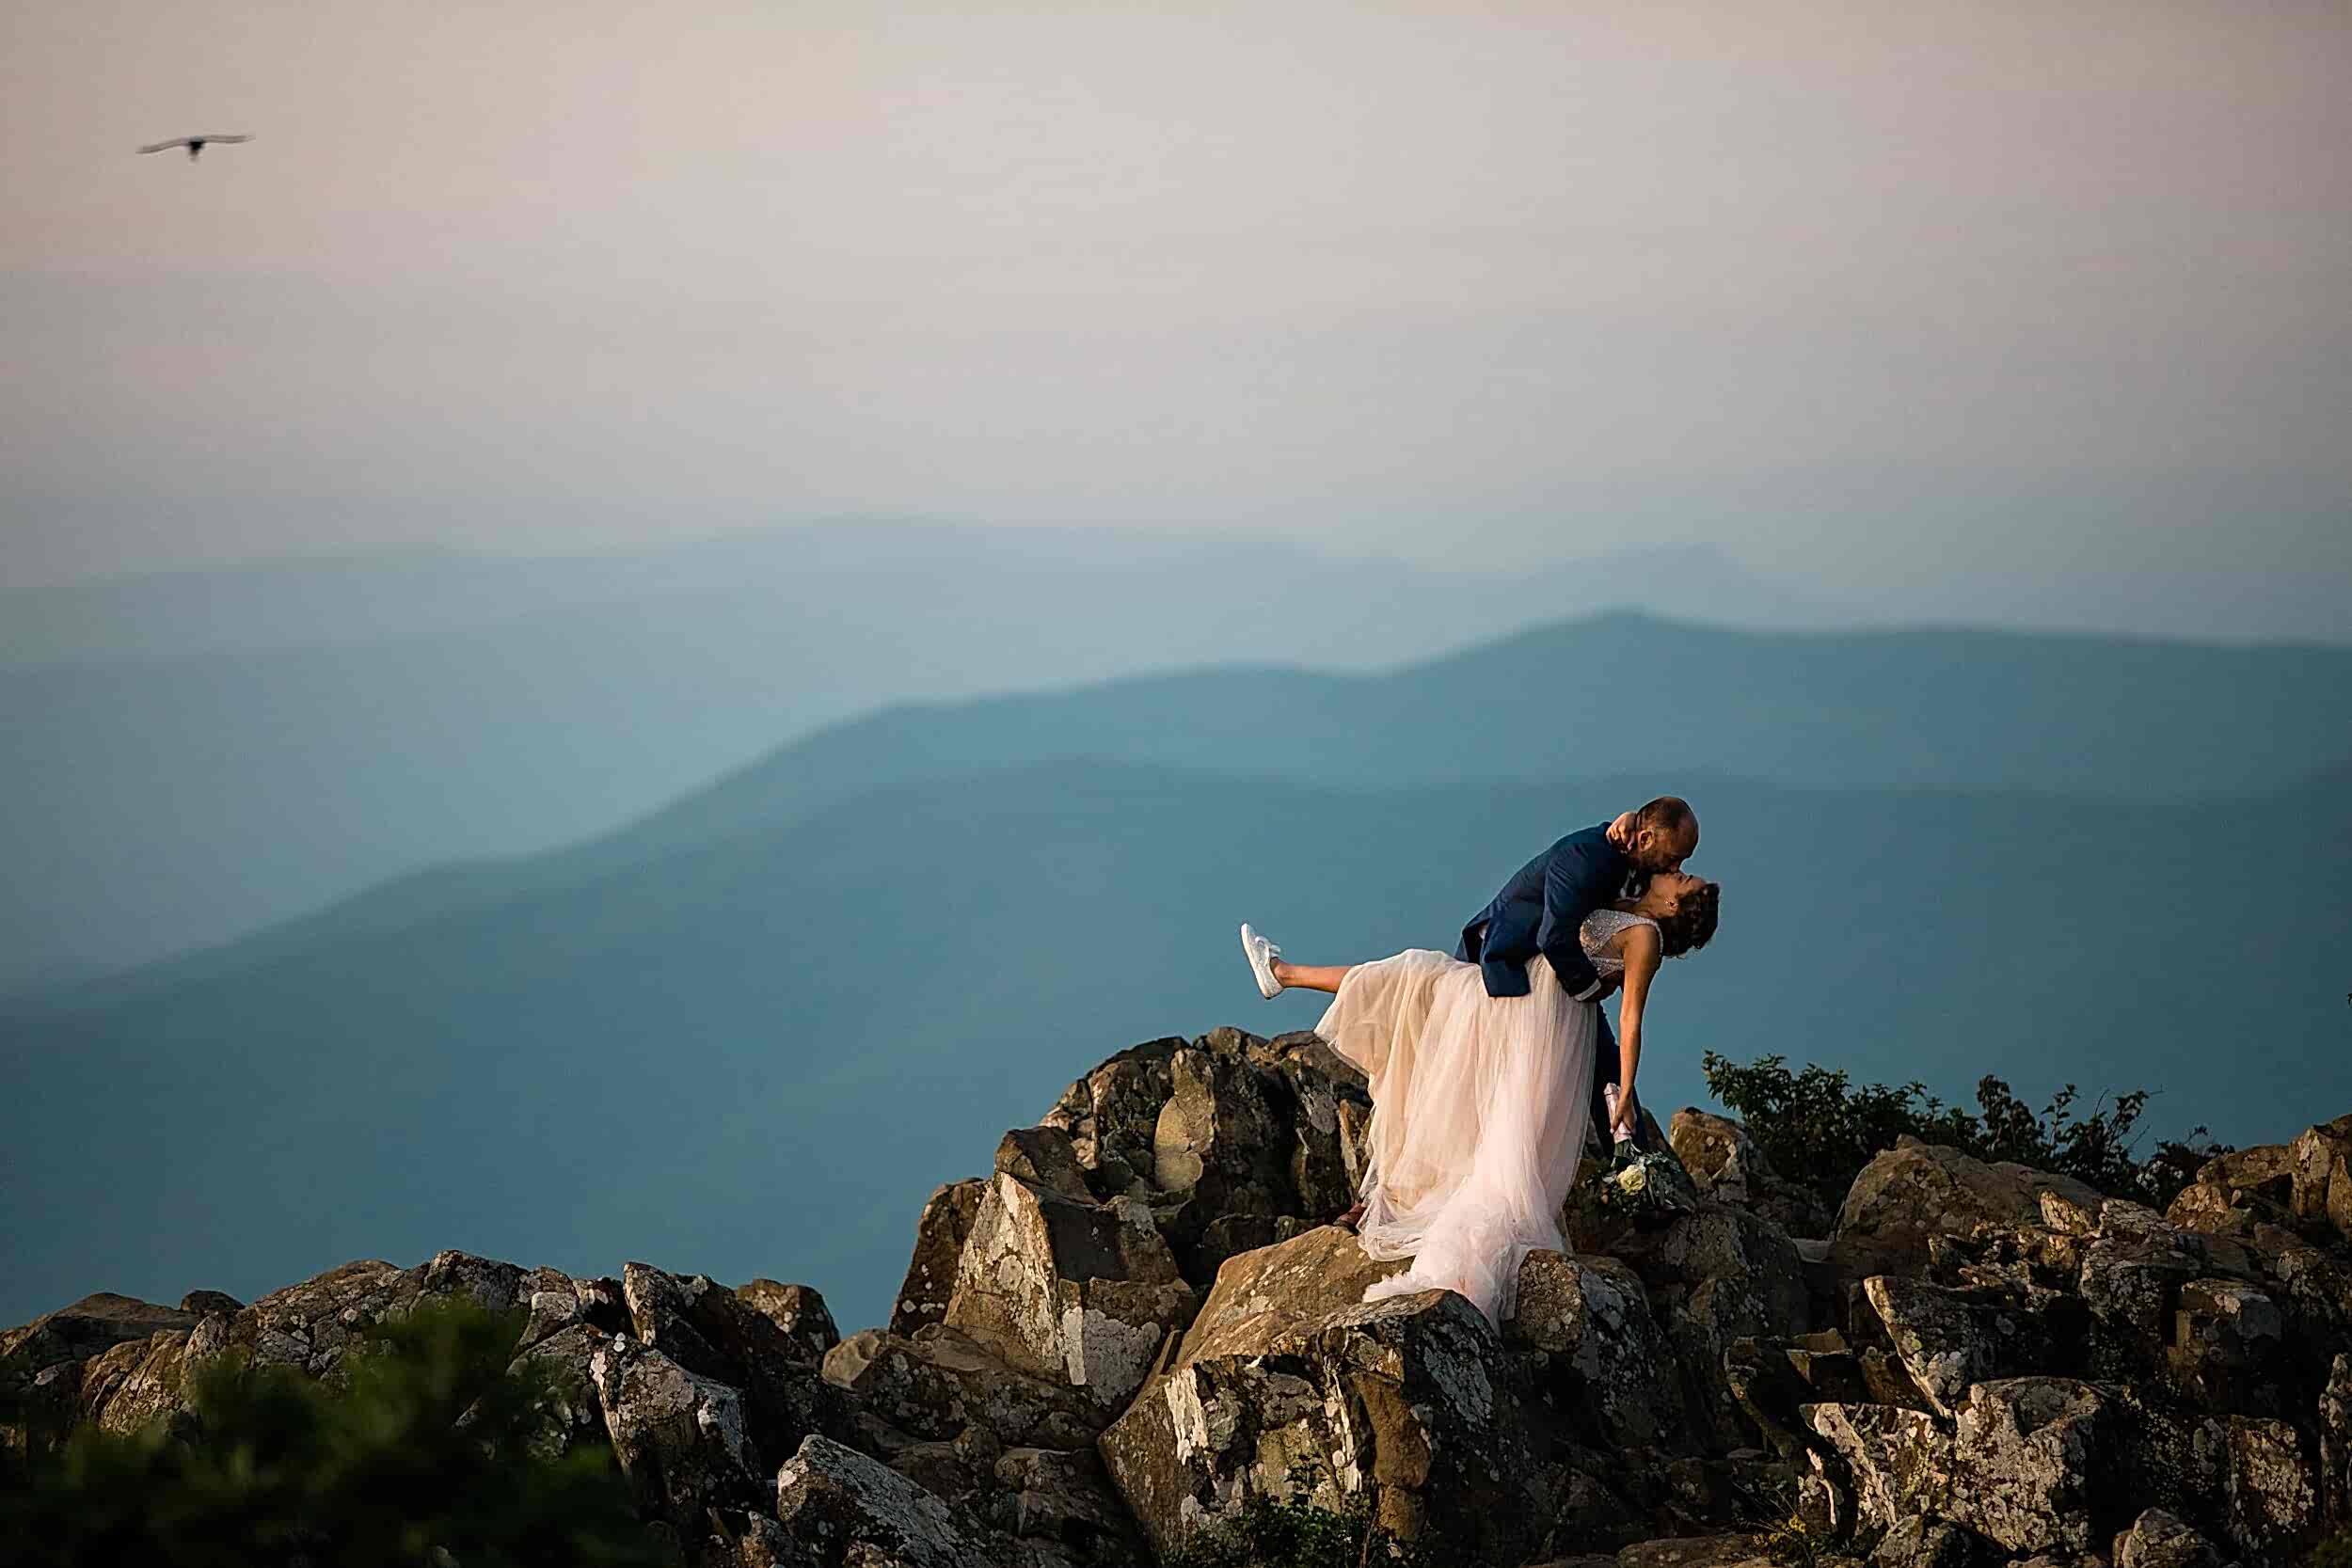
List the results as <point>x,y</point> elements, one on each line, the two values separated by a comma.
<point>1599,929</point>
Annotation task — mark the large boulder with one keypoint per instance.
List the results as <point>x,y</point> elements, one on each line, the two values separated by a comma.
<point>1235,1142</point>
<point>2160,1540</point>
<point>2028,1456</point>
<point>1400,1404</point>
<point>1260,1295</point>
<point>938,1385</point>
<point>1897,1463</point>
<point>139,1380</point>
<point>1916,1191</point>
<point>798,1312</point>
<point>313,1324</point>
<point>680,1436</point>
<point>1950,1339</point>
<point>715,1333</point>
<point>1082,1291</point>
<point>940,1233</point>
<point>841,1509</point>
<point>91,1326</point>
<point>1715,1275</point>
<point>1595,1353</point>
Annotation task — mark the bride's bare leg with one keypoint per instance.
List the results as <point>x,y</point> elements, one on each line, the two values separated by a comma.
<point>1311,977</point>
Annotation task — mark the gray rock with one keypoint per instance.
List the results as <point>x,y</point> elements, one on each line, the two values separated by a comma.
<point>2159,1539</point>
<point>136,1382</point>
<point>797,1310</point>
<point>939,1384</point>
<point>2335,1441</point>
<point>1585,1330</point>
<point>1907,1195</point>
<point>1064,1497</point>
<point>714,1333</point>
<point>1043,1157</point>
<point>1716,1275</point>
<point>680,1436</point>
<point>843,1510</point>
<point>2027,1453</point>
<point>939,1238</point>
<point>2266,1490</point>
<point>1919,1541</point>
<point>203,1303</point>
<point>1726,1165</point>
<point>577,1414</point>
<point>1898,1463</point>
<point>1400,1404</point>
<point>88,1327</point>
<point>1082,1291</point>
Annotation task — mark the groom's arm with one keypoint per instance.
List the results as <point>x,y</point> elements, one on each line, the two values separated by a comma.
<point>1576,882</point>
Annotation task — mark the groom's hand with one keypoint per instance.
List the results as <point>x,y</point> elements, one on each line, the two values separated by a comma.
<point>1608,986</point>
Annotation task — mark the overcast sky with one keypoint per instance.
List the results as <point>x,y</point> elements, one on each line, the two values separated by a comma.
<point>1871,294</point>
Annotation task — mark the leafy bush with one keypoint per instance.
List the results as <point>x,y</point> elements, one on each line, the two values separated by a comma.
<point>424,1455</point>
<point>1819,1127</point>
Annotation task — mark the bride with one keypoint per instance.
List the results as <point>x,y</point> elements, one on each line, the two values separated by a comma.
<point>1480,1103</point>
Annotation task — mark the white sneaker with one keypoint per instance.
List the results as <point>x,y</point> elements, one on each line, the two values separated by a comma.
<point>1261,955</point>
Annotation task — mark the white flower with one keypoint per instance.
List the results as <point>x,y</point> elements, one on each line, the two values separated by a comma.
<point>1633,1178</point>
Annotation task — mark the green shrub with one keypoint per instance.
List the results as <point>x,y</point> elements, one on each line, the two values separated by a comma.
<point>421,1456</point>
<point>1290,1533</point>
<point>1819,1127</point>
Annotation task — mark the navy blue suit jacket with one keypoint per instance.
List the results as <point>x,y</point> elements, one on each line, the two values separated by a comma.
<point>1539,911</point>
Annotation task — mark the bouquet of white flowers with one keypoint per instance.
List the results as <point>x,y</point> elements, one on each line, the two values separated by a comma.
<point>1644,1185</point>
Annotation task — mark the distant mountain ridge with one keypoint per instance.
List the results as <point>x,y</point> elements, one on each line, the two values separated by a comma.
<point>803,1016</point>
<point>191,756</point>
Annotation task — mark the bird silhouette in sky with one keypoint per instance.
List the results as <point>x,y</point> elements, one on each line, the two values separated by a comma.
<point>194,144</point>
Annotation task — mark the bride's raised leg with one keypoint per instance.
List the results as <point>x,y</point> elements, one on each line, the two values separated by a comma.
<point>1311,977</point>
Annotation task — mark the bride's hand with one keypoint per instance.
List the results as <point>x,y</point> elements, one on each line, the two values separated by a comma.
<point>1628,1116</point>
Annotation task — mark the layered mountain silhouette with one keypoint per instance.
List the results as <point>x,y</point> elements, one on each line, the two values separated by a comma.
<point>193,755</point>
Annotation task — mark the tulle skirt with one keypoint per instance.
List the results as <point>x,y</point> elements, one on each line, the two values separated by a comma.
<point>1479,1109</point>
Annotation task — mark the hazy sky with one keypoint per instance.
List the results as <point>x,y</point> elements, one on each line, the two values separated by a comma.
<point>1869,294</point>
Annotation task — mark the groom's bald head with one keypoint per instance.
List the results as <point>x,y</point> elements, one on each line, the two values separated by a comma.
<point>1663,834</point>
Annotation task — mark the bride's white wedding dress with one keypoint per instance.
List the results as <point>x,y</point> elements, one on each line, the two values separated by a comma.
<point>1479,1109</point>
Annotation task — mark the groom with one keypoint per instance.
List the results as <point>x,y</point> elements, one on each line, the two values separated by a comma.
<point>1540,910</point>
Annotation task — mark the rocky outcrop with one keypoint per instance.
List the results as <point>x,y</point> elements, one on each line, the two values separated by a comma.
<point>1726,1165</point>
<point>1139,1327</point>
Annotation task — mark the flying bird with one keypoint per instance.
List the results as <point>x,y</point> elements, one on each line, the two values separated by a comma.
<point>194,144</point>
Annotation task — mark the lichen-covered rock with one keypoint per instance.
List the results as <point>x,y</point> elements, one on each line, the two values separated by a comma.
<point>1716,1275</point>
<point>938,1385</point>
<point>1236,1142</point>
<point>91,1326</point>
<point>2266,1488</point>
<point>1950,1339</point>
<point>1898,1462</point>
<point>1260,1295</point>
<point>1919,1541</point>
<point>1724,1163</point>
<point>139,1380</point>
<point>313,1324</point>
<point>577,1414</point>
<point>1399,1401</point>
<point>1594,1351</point>
<point>2160,1540</point>
<point>1044,1157</point>
<point>1911,1192</point>
<point>711,1331</point>
<point>1062,1498</point>
<point>2228,1349</point>
<point>939,1238</point>
<point>843,1510</point>
<point>1087,1293</point>
<point>2335,1441</point>
<point>2028,1454</point>
<point>798,1312</point>
<point>680,1436</point>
